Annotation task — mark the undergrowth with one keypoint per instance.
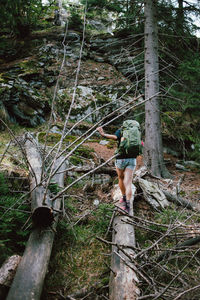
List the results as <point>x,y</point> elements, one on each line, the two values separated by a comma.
<point>12,235</point>
<point>79,259</point>
<point>167,230</point>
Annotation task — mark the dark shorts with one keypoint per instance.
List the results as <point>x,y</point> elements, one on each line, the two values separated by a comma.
<point>124,163</point>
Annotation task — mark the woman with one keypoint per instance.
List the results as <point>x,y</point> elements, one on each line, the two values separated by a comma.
<point>125,166</point>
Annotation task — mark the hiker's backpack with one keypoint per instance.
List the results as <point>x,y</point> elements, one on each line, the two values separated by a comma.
<point>130,144</point>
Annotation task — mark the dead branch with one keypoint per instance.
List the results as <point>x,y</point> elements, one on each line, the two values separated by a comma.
<point>177,275</point>
<point>185,244</point>
<point>180,201</point>
<point>179,184</point>
<point>187,291</point>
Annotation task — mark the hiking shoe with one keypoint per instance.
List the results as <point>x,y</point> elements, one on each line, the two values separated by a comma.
<point>123,204</point>
<point>123,200</point>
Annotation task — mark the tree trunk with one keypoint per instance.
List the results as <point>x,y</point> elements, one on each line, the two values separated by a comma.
<point>153,151</point>
<point>123,278</point>
<point>180,18</point>
<point>29,278</point>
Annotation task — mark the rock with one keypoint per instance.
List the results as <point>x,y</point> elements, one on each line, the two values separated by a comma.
<point>99,59</point>
<point>191,164</point>
<point>23,103</point>
<point>96,202</point>
<point>73,36</point>
<point>104,142</point>
<point>55,129</point>
<point>170,151</point>
<point>180,167</point>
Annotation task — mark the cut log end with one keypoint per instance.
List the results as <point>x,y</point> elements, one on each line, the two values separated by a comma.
<point>43,216</point>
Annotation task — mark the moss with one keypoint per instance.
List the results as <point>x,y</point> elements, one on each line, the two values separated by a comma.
<point>111,145</point>
<point>101,99</point>
<point>52,137</point>
<point>28,66</point>
<point>84,151</point>
<point>75,160</point>
<point>55,137</point>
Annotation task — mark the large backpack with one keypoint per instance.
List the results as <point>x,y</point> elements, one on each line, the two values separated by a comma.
<point>130,144</point>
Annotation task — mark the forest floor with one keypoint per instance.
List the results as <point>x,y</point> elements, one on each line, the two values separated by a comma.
<point>90,256</point>
<point>190,187</point>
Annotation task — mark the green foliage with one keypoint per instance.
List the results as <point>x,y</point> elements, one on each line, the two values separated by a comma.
<point>102,218</point>
<point>54,187</point>
<point>21,16</point>
<point>75,21</point>
<point>13,237</point>
<point>95,3</point>
<point>182,121</point>
<point>170,216</point>
<point>190,74</point>
<point>3,185</point>
<point>78,252</point>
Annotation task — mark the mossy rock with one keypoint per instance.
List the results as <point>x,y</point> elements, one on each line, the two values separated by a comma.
<point>55,137</point>
<point>84,151</point>
<point>77,161</point>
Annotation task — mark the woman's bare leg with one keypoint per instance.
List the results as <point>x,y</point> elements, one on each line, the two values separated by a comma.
<point>120,174</point>
<point>127,181</point>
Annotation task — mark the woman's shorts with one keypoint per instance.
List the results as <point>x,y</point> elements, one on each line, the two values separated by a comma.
<point>125,163</point>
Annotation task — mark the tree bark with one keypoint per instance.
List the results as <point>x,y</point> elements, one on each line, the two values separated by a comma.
<point>123,278</point>
<point>153,194</point>
<point>153,150</point>
<point>42,214</point>
<point>180,18</point>
<point>29,278</point>
<point>7,273</point>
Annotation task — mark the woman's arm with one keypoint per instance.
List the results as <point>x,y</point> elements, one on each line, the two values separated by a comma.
<point>107,136</point>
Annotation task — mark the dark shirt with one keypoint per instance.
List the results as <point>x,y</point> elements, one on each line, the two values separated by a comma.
<point>119,135</point>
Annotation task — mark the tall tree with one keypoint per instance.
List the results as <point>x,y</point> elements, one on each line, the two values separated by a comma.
<point>20,16</point>
<point>153,152</point>
<point>180,18</point>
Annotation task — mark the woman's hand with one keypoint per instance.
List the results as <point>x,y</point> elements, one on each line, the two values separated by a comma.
<point>100,130</point>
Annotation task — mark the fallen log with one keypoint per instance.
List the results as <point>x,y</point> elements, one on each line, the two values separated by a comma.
<point>123,279</point>
<point>29,278</point>
<point>102,170</point>
<point>42,213</point>
<point>7,273</point>
<point>152,194</point>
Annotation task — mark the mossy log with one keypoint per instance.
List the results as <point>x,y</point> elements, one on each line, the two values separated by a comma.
<point>123,279</point>
<point>29,278</point>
